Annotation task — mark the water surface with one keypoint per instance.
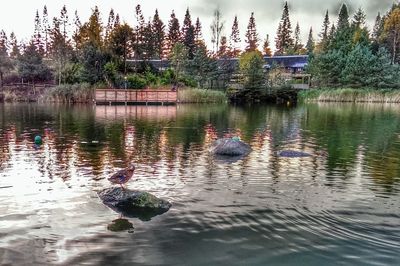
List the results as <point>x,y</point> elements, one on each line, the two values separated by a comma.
<point>338,206</point>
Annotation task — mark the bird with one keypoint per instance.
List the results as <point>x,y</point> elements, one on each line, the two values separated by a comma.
<point>122,176</point>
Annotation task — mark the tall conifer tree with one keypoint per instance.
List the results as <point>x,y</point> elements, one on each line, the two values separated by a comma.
<point>235,38</point>
<point>158,29</point>
<point>284,39</point>
<point>251,35</point>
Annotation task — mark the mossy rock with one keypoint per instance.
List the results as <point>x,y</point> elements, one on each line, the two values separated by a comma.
<point>133,203</point>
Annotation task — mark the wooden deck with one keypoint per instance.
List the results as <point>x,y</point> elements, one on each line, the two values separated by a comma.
<point>121,96</point>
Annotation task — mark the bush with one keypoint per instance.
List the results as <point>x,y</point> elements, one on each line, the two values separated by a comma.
<point>136,82</point>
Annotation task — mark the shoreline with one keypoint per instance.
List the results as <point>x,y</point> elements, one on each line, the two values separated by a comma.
<point>350,95</point>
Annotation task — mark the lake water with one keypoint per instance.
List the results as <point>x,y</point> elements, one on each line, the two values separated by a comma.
<point>339,206</point>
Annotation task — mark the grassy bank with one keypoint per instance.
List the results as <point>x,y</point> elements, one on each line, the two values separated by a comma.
<point>76,93</point>
<point>350,95</point>
<point>191,95</point>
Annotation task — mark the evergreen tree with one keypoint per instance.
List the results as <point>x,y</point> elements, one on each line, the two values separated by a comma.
<point>15,50</point>
<point>149,47</point>
<point>202,68</point>
<point>251,35</point>
<point>377,33</point>
<point>117,21</point>
<point>235,38</point>
<point>46,31</point>
<point>60,49</point>
<point>266,49</point>
<point>120,43</point>
<point>139,42</point>
<point>174,34</point>
<point>76,35</point>
<point>37,37</point>
<point>94,28</point>
<point>159,34</point>
<point>31,67</point>
<point>110,25</point>
<point>251,68</point>
<point>5,62</point>
<point>198,35</point>
<point>188,34</point>
<point>359,19</point>
<point>298,46</point>
<point>343,20</point>
<point>284,40</point>
<point>324,35</point>
<point>64,22</point>
<point>223,48</point>
<point>310,43</point>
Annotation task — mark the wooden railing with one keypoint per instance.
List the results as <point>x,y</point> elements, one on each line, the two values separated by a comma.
<point>109,96</point>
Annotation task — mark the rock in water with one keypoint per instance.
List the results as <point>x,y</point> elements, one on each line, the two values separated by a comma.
<point>131,203</point>
<point>293,154</point>
<point>230,147</point>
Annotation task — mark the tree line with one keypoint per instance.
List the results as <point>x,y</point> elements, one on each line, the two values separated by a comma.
<point>65,50</point>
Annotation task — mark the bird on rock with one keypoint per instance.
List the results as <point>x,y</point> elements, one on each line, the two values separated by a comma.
<point>122,176</point>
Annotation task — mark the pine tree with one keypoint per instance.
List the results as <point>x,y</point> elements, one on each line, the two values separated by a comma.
<point>188,34</point>
<point>324,35</point>
<point>149,48</point>
<point>359,18</point>
<point>223,48</point>
<point>37,37</point>
<point>64,21</point>
<point>110,25</point>
<point>235,38</point>
<point>15,50</point>
<point>58,48</point>
<point>266,49</point>
<point>159,34</point>
<point>117,21</point>
<point>343,20</point>
<point>298,46</point>
<point>378,27</point>
<point>198,35</point>
<point>94,28</point>
<point>46,31</point>
<point>278,40</point>
<point>174,34</point>
<point>76,35</point>
<point>5,62</point>
<point>251,35</point>
<point>140,29</point>
<point>310,42</point>
<point>120,43</point>
<point>284,40</point>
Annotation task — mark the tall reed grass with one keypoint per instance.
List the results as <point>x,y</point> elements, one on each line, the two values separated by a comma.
<point>351,95</point>
<point>191,95</point>
<point>76,93</point>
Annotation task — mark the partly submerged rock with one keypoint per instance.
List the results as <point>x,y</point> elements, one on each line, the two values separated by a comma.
<point>230,147</point>
<point>293,154</point>
<point>132,203</point>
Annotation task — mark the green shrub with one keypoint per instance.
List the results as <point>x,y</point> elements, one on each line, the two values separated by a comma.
<point>135,81</point>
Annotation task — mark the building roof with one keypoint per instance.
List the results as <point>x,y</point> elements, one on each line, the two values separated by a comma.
<point>290,61</point>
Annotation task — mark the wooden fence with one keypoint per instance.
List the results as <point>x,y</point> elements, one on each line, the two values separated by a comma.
<point>115,96</point>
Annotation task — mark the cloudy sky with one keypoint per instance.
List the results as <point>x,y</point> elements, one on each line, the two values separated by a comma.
<point>18,15</point>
